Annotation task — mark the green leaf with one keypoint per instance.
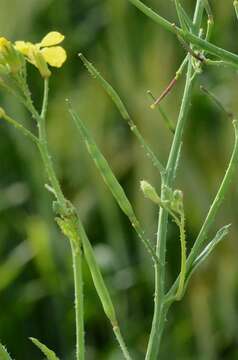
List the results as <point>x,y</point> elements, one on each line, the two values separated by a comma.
<point>209,249</point>
<point>50,355</point>
<point>4,354</point>
<point>111,181</point>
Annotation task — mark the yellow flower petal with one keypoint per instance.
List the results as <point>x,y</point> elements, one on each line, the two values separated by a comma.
<point>54,56</point>
<point>51,39</point>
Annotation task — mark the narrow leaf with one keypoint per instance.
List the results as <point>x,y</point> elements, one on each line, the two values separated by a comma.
<point>50,355</point>
<point>200,259</point>
<point>4,354</point>
<point>209,248</point>
<point>111,181</point>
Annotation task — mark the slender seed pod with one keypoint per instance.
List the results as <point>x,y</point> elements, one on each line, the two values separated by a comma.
<point>112,182</point>
<point>97,276</point>
<point>123,111</point>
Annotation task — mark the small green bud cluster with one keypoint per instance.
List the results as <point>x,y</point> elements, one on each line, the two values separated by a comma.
<point>172,200</point>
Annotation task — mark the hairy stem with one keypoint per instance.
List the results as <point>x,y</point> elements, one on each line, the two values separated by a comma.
<point>75,247</point>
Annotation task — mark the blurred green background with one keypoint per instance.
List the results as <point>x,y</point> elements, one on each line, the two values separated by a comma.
<point>36,287</point>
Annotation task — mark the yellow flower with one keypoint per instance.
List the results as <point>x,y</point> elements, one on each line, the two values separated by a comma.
<point>45,52</point>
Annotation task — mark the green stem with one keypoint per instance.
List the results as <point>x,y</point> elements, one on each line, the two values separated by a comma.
<point>79,302</point>
<point>160,309</point>
<point>43,147</point>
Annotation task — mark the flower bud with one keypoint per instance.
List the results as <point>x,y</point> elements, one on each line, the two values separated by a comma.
<point>149,192</point>
<point>177,202</point>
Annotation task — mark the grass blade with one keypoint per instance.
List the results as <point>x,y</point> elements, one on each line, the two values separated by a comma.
<point>111,181</point>
<point>50,355</point>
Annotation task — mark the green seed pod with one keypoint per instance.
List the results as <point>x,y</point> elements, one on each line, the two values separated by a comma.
<point>112,182</point>
<point>97,277</point>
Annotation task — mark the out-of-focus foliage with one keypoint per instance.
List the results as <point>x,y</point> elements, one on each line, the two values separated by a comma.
<point>36,287</point>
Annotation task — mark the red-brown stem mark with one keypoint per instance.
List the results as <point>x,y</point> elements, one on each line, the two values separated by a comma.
<point>165,92</point>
